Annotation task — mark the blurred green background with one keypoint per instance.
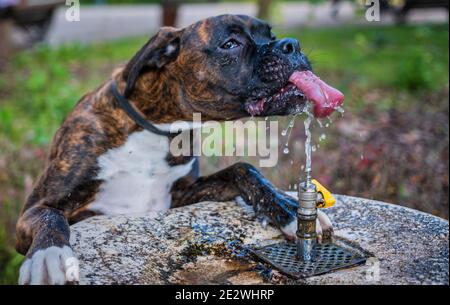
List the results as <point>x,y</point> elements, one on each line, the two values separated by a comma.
<point>390,145</point>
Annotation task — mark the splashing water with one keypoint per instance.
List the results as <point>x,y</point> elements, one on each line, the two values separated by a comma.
<point>292,122</point>
<point>320,123</point>
<point>309,148</point>
<point>284,132</point>
<point>341,110</point>
<point>287,132</point>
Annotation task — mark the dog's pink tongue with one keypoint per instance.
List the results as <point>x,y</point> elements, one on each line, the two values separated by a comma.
<point>325,98</point>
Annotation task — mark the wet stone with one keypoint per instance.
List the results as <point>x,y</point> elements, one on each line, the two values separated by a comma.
<point>208,242</point>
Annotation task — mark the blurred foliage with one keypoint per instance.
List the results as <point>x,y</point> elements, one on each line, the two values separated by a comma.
<point>392,143</point>
<point>10,260</point>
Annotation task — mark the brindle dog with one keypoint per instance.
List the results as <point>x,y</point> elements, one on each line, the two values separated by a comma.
<point>102,162</point>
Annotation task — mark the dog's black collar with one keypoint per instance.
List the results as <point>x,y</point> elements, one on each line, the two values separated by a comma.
<point>135,115</point>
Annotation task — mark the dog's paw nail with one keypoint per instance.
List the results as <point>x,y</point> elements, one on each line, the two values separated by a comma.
<point>319,238</point>
<point>319,231</point>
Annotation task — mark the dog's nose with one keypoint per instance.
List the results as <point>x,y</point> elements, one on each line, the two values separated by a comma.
<point>288,46</point>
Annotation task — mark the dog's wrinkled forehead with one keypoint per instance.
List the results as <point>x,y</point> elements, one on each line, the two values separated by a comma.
<point>215,29</point>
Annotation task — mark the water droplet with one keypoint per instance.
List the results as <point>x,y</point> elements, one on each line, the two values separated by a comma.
<point>322,137</point>
<point>284,132</point>
<point>266,118</point>
<point>327,125</point>
<point>313,148</point>
<point>340,110</point>
<point>285,150</point>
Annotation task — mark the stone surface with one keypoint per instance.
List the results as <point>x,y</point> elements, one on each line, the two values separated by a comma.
<point>207,243</point>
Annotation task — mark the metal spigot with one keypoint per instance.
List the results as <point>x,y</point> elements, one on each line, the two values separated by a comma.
<point>311,195</point>
<point>306,220</point>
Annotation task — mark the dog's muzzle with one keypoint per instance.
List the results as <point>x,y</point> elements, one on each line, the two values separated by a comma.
<point>284,67</point>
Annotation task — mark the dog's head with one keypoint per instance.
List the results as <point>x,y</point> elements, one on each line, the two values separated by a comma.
<point>232,66</point>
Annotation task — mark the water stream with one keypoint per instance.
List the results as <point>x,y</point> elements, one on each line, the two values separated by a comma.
<point>308,147</point>
<point>306,169</point>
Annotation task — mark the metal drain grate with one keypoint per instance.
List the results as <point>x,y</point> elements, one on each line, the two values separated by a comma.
<point>329,257</point>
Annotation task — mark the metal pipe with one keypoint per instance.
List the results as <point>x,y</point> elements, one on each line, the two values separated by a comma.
<point>306,220</point>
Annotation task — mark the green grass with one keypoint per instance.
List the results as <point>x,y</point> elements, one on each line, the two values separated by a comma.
<point>402,66</point>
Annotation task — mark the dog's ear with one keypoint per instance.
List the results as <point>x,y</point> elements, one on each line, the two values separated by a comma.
<point>157,52</point>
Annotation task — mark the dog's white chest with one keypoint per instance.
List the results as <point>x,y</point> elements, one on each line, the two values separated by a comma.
<point>136,176</point>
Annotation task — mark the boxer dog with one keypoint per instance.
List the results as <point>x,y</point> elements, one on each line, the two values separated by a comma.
<point>111,154</point>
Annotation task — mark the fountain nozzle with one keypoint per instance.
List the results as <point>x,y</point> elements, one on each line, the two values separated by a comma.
<point>306,220</point>
<point>311,195</point>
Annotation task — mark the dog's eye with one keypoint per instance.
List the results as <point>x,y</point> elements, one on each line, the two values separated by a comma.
<point>230,44</point>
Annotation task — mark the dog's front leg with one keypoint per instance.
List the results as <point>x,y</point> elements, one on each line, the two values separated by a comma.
<point>245,181</point>
<point>43,234</point>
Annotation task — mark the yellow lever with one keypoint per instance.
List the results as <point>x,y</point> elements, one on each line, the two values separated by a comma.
<point>328,199</point>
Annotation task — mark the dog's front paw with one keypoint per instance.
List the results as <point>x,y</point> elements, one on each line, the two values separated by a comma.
<point>324,228</point>
<point>50,266</point>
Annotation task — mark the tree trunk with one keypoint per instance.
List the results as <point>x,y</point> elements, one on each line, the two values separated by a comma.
<point>264,7</point>
<point>169,12</point>
<point>6,45</point>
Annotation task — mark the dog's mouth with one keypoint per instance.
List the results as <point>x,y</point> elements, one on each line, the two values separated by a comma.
<point>301,87</point>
